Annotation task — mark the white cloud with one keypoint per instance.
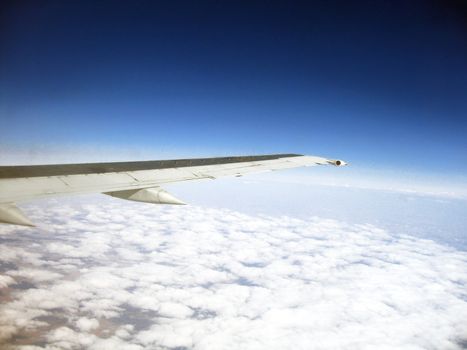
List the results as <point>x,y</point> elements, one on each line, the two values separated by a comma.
<point>34,275</point>
<point>85,324</point>
<point>5,281</point>
<point>120,275</point>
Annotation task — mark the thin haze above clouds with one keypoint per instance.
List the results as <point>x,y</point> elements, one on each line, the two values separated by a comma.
<point>121,275</point>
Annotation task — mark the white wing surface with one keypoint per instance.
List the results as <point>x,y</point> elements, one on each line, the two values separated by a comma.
<point>137,181</point>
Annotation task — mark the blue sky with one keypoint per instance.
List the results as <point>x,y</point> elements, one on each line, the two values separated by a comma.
<point>381,84</point>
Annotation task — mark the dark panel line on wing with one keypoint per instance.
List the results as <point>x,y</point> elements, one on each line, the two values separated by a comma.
<point>8,172</point>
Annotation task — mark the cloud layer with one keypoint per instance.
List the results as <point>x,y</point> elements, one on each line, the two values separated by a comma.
<point>120,275</point>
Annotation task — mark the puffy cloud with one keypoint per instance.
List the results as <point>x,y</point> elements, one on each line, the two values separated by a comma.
<point>5,281</point>
<point>34,275</point>
<point>87,324</point>
<point>120,275</point>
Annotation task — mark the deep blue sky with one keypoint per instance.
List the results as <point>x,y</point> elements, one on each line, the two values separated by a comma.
<point>380,83</point>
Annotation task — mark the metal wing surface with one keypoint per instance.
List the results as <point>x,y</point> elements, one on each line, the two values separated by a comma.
<point>138,181</point>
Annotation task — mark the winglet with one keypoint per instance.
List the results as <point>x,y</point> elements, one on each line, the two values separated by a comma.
<point>11,214</point>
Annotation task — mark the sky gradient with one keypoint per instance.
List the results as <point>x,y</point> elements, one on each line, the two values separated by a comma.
<point>380,84</point>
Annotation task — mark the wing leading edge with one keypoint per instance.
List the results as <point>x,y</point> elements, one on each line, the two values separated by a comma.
<point>139,181</point>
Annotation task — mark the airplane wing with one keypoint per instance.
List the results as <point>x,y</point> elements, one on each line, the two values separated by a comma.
<point>137,181</point>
